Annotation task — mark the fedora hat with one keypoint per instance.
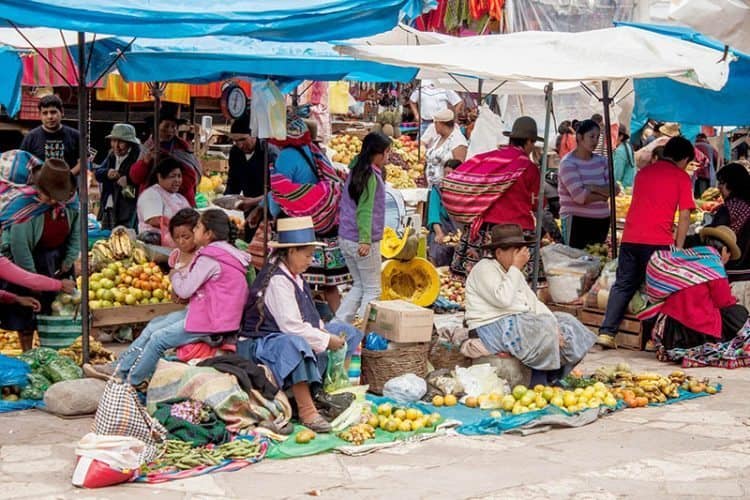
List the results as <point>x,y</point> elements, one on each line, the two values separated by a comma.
<point>507,236</point>
<point>123,132</point>
<point>295,232</point>
<point>524,128</point>
<point>54,180</point>
<point>726,236</point>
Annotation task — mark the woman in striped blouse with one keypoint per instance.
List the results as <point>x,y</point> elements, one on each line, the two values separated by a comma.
<point>584,190</point>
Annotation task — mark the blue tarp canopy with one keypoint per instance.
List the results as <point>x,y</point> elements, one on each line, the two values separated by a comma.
<point>12,70</point>
<point>213,58</point>
<point>278,20</point>
<point>666,100</point>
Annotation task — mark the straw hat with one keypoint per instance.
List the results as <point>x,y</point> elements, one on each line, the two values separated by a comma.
<point>295,232</point>
<point>54,180</point>
<point>670,129</point>
<point>726,236</point>
<point>444,115</point>
<point>507,236</point>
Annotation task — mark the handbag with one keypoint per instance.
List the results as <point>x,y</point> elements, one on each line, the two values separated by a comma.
<point>120,413</point>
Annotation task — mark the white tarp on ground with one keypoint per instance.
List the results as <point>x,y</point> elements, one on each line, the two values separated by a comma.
<point>725,20</point>
<point>608,54</point>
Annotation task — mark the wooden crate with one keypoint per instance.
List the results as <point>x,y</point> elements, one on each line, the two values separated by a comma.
<point>131,315</point>
<point>630,335</point>
<point>572,309</point>
<point>215,165</point>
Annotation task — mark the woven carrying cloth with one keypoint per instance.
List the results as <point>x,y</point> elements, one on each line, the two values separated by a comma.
<point>670,271</point>
<point>469,191</point>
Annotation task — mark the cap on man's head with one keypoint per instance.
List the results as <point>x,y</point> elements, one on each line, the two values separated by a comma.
<point>524,128</point>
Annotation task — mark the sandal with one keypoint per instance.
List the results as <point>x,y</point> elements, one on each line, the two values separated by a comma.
<point>318,424</point>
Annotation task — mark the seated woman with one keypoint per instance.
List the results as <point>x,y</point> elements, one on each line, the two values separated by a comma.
<point>282,327</point>
<point>157,204</point>
<point>508,317</point>
<point>690,293</point>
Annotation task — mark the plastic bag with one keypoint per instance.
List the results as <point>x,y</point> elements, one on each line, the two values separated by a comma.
<point>405,388</point>
<point>61,369</point>
<point>570,272</point>
<point>38,357</point>
<point>38,385</point>
<point>13,372</point>
<point>374,342</point>
<point>481,379</point>
<point>336,377</point>
<point>488,129</point>
<point>442,382</point>
<point>106,460</point>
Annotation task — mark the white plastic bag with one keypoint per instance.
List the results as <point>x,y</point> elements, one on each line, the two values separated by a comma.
<point>481,379</point>
<point>268,111</point>
<point>405,388</point>
<point>570,272</point>
<point>119,452</point>
<point>488,129</point>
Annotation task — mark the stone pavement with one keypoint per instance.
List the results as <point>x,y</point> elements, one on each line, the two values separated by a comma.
<point>697,449</point>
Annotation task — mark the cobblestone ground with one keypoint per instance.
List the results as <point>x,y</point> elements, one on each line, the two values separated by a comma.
<point>697,449</point>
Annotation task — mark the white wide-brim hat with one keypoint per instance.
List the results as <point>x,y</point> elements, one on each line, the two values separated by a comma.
<point>295,232</point>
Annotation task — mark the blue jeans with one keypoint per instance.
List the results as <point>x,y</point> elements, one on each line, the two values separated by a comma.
<point>161,334</point>
<point>365,272</point>
<point>631,273</point>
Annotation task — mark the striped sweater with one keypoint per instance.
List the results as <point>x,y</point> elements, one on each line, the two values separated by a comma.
<point>575,174</point>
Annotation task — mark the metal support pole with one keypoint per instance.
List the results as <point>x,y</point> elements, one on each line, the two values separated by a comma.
<point>540,202</point>
<point>419,123</point>
<point>83,194</point>
<point>606,102</point>
<point>266,201</point>
<point>479,92</point>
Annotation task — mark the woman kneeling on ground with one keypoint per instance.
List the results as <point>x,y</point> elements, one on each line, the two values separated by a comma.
<point>509,318</point>
<point>691,294</point>
<point>283,329</point>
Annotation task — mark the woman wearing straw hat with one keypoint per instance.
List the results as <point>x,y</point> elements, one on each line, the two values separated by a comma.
<point>508,317</point>
<point>690,293</point>
<point>41,236</point>
<point>118,199</point>
<point>282,327</point>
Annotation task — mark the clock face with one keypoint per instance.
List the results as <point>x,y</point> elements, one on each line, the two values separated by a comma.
<point>236,102</point>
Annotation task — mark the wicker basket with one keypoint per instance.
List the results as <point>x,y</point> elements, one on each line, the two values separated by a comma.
<point>447,356</point>
<point>378,367</point>
<point>58,332</point>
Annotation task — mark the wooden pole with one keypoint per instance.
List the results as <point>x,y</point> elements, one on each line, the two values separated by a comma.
<point>540,202</point>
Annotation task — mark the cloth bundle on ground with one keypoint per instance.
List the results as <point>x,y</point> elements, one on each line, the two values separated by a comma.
<point>249,375</point>
<point>734,353</point>
<point>208,430</point>
<point>239,410</point>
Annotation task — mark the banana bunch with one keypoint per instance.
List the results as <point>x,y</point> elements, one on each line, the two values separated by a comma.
<point>182,455</point>
<point>692,384</point>
<point>711,194</point>
<point>452,238</point>
<point>98,355</point>
<point>653,386</point>
<point>358,434</point>
<point>120,243</point>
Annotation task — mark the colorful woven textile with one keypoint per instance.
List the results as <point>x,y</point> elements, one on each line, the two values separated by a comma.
<point>473,188</point>
<point>670,271</point>
<point>19,201</point>
<point>731,354</point>
<point>320,200</point>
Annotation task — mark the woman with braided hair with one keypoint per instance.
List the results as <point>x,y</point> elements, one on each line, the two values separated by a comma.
<point>282,327</point>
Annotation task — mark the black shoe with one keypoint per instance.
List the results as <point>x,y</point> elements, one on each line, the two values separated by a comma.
<point>331,406</point>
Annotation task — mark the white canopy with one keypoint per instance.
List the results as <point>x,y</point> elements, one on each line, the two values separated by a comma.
<point>725,20</point>
<point>41,38</point>
<point>607,54</point>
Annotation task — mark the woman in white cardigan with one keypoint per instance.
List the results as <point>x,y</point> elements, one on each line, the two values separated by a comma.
<point>508,317</point>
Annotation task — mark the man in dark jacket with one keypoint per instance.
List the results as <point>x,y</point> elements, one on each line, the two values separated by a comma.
<point>246,163</point>
<point>118,197</point>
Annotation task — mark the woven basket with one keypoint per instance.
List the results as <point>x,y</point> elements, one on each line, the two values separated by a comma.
<point>447,356</point>
<point>378,367</point>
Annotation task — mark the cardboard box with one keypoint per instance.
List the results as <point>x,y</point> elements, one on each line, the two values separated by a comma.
<point>399,321</point>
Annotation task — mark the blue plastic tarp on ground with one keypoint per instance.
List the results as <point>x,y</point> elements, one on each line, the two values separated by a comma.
<point>215,58</point>
<point>12,71</point>
<point>666,100</point>
<point>280,20</point>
